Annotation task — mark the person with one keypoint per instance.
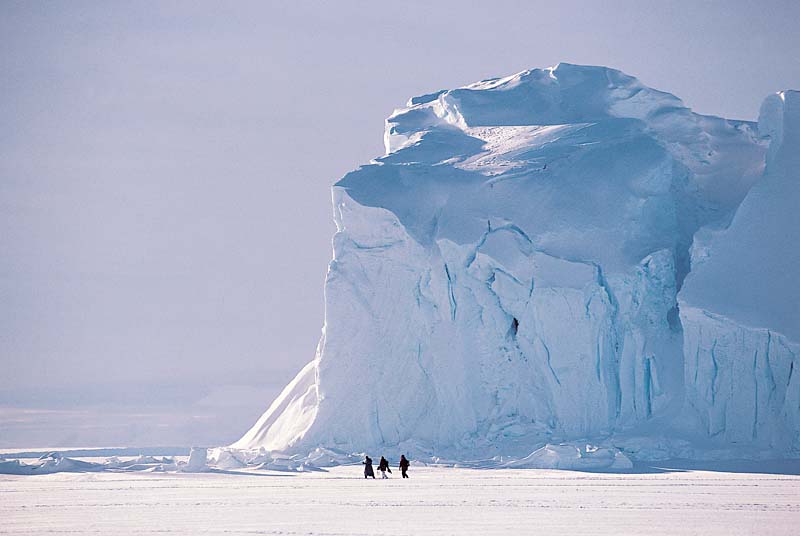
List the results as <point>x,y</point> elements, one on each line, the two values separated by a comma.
<point>368,472</point>
<point>404,465</point>
<point>383,466</point>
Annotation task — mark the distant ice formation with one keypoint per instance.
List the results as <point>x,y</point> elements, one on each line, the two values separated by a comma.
<point>560,256</point>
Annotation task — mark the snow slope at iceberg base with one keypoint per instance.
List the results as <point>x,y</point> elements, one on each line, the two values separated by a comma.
<point>587,458</point>
<point>507,277</point>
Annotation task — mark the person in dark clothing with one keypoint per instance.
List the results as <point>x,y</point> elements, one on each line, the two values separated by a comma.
<point>368,472</point>
<point>404,465</point>
<point>383,466</point>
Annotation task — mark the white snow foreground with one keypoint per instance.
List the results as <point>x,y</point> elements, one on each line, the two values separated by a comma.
<point>511,274</point>
<point>433,501</point>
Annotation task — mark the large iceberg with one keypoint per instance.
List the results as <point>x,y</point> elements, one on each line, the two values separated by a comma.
<point>558,256</point>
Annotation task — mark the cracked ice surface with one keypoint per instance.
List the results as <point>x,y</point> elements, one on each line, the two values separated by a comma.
<point>509,274</point>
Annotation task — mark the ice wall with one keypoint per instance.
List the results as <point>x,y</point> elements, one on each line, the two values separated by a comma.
<point>740,307</point>
<point>507,275</point>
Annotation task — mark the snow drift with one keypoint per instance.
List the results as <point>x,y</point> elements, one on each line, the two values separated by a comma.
<point>558,256</point>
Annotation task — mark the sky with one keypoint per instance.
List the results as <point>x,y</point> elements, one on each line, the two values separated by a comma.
<point>165,173</point>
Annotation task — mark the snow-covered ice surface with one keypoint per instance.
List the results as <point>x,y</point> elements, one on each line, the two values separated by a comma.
<point>510,274</point>
<point>432,501</point>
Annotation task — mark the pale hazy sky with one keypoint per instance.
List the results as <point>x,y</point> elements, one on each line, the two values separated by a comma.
<point>165,217</point>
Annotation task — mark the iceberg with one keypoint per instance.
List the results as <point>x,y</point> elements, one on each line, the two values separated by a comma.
<point>740,306</point>
<point>552,258</point>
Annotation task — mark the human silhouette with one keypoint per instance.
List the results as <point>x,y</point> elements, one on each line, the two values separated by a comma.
<point>368,472</point>
<point>404,465</point>
<point>383,466</point>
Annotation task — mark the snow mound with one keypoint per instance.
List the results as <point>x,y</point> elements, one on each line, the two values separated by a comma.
<point>586,458</point>
<point>197,461</point>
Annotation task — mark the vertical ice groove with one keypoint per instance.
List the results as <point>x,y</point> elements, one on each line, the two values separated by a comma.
<point>768,365</point>
<point>451,293</point>
<point>697,354</point>
<point>754,433</point>
<point>419,363</point>
<point>597,360</point>
<point>647,388</point>
<point>601,281</point>
<point>714,372</point>
<point>549,363</point>
<point>376,412</point>
<point>792,358</point>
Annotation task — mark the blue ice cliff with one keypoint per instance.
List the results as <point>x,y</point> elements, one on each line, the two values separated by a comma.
<point>561,256</point>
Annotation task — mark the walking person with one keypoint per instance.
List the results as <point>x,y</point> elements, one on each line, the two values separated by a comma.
<point>383,466</point>
<point>404,465</point>
<point>368,472</point>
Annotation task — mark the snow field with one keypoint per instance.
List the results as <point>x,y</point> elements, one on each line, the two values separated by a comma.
<point>432,501</point>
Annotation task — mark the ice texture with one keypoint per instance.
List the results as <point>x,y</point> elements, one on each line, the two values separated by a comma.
<point>740,307</point>
<point>763,241</point>
<point>508,275</point>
